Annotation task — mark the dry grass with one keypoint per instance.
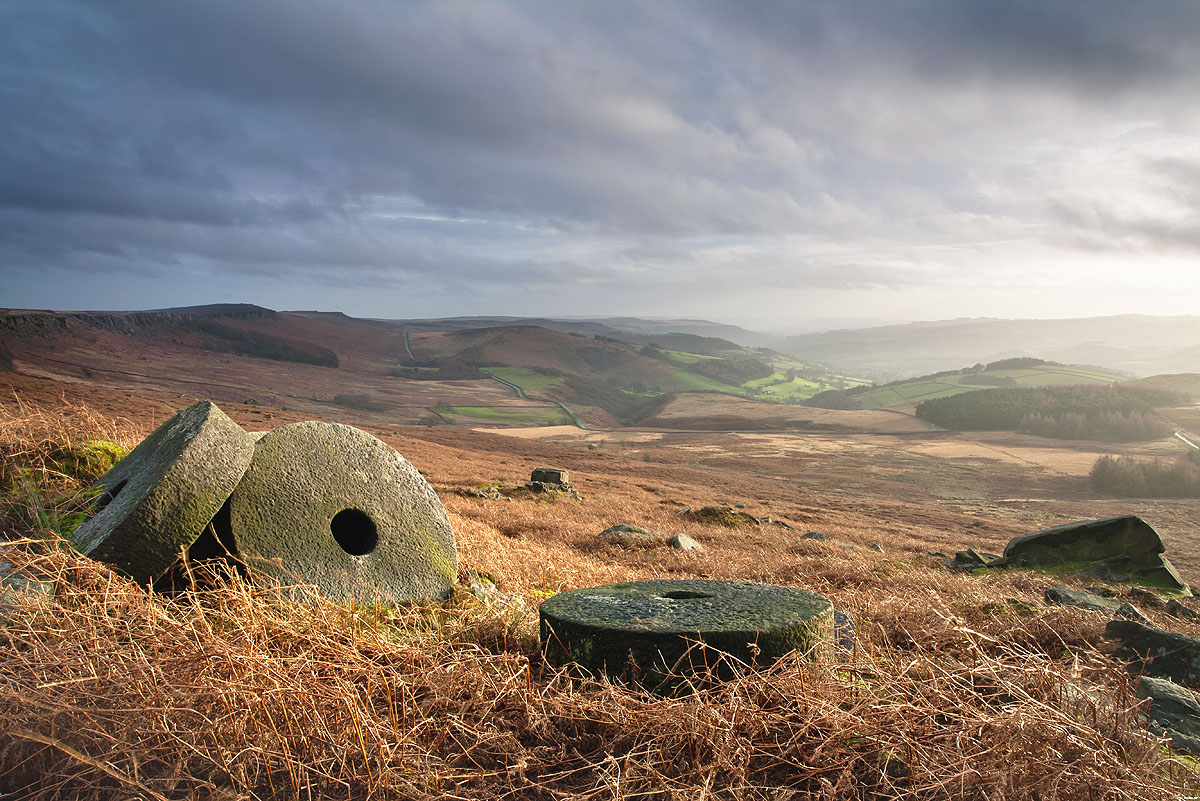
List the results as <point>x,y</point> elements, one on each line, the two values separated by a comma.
<point>108,691</point>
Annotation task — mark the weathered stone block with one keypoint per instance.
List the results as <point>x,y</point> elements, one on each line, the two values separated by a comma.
<point>158,499</point>
<point>1174,712</point>
<point>331,506</point>
<point>1157,652</point>
<point>1087,541</point>
<point>1118,548</point>
<point>549,475</point>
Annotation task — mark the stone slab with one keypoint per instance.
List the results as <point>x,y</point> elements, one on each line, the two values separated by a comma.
<point>1087,541</point>
<point>1157,652</point>
<point>331,506</point>
<point>655,622</point>
<point>157,500</point>
<point>1174,712</point>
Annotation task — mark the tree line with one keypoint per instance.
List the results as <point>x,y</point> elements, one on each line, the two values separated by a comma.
<point>1115,413</point>
<point>1148,478</point>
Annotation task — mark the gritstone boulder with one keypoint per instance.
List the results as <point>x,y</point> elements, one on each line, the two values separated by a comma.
<point>331,506</point>
<point>158,499</point>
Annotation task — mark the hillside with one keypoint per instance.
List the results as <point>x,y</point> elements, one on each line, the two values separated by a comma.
<point>948,677</point>
<point>1137,344</point>
<point>1019,372</point>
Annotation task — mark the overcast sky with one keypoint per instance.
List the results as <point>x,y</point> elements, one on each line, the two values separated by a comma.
<point>754,162</point>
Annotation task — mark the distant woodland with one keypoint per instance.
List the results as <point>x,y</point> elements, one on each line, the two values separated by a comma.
<point>1126,476</point>
<point>1103,413</point>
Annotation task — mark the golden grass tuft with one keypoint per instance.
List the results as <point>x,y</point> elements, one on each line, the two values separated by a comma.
<point>107,691</point>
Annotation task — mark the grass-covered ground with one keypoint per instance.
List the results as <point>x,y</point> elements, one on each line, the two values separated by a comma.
<point>956,686</point>
<point>887,397</point>
<point>532,382</point>
<point>514,415</point>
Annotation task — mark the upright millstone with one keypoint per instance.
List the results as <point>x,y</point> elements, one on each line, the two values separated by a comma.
<point>655,624</point>
<point>331,506</point>
<point>158,499</point>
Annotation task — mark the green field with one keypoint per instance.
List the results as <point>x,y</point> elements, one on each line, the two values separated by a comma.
<point>528,379</point>
<point>686,381</point>
<point>682,357</point>
<point>513,415</point>
<point>927,389</point>
<point>779,388</point>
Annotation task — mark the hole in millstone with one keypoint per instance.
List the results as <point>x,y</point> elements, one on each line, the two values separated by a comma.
<point>680,595</point>
<point>354,531</point>
<point>107,496</point>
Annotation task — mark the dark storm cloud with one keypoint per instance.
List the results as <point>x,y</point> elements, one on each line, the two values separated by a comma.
<point>259,137</point>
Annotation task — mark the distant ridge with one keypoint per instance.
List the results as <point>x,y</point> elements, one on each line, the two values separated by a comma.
<point>236,310</point>
<point>1134,343</point>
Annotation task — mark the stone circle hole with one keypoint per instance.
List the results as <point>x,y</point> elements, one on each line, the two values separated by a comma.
<point>680,595</point>
<point>109,495</point>
<point>355,531</point>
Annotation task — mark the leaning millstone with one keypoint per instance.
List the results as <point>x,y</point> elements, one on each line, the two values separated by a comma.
<point>1158,652</point>
<point>1062,596</point>
<point>1174,712</point>
<point>157,500</point>
<point>331,506</point>
<point>657,623</point>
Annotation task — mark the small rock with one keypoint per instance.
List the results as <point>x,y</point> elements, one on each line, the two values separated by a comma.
<point>1176,609</point>
<point>627,535</point>
<point>1103,592</point>
<point>1147,598</point>
<point>1063,596</point>
<point>1174,712</point>
<point>876,547</point>
<point>843,630</point>
<point>813,535</point>
<point>726,516</point>
<point>937,554</point>
<point>971,559</point>
<point>1157,652</point>
<point>490,493</point>
<point>781,524</point>
<point>682,542</point>
<point>1130,612</point>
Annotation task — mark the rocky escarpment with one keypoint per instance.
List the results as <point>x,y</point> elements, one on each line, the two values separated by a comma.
<point>26,323</point>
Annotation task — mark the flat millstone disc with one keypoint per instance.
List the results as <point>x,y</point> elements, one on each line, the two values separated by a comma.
<point>331,506</point>
<point>159,499</point>
<point>655,623</point>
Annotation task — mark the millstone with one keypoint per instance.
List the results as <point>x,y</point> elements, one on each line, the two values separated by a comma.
<point>655,622</point>
<point>331,506</point>
<point>158,499</point>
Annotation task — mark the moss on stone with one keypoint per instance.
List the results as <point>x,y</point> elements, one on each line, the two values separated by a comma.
<point>88,460</point>
<point>648,629</point>
<point>725,516</point>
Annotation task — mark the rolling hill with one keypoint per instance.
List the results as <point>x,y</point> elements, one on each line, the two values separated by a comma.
<point>1137,344</point>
